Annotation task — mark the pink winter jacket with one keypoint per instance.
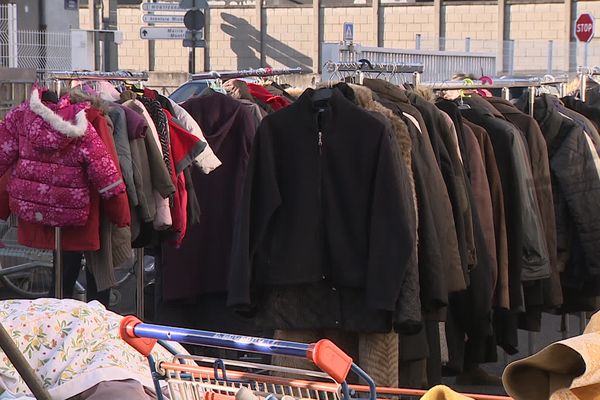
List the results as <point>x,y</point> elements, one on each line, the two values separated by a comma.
<point>55,154</point>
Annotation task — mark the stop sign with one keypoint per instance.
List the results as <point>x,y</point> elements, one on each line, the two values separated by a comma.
<point>584,27</point>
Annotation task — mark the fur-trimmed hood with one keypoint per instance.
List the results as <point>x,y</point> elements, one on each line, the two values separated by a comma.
<point>54,126</point>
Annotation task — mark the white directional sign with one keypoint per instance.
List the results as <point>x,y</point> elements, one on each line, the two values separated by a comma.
<point>153,7</point>
<point>162,19</point>
<point>161,32</point>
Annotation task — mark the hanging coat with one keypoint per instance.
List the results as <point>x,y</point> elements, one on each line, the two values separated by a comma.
<point>201,263</point>
<point>538,154</point>
<point>307,220</point>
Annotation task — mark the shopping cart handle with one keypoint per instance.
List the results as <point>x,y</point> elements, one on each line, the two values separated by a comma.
<point>324,354</point>
<point>127,332</point>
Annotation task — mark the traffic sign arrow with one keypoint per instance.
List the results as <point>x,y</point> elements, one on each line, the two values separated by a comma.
<point>162,32</point>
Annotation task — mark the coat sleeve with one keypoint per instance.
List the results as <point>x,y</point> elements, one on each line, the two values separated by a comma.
<point>207,160</point>
<point>9,139</point>
<point>392,228</point>
<point>117,207</point>
<point>101,169</point>
<point>260,199</point>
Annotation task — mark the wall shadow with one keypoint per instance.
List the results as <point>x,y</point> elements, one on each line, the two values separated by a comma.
<point>245,40</point>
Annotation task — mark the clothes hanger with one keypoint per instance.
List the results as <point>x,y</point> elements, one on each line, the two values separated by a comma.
<point>461,93</point>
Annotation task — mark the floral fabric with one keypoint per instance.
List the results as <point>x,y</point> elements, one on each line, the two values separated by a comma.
<point>71,345</point>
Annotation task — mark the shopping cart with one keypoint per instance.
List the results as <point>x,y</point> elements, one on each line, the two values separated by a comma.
<point>197,377</point>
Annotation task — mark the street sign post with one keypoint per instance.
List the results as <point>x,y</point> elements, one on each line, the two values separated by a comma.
<point>162,33</point>
<point>162,19</point>
<point>154,7</point>
<point>585,27</point>
<point>348,32</point>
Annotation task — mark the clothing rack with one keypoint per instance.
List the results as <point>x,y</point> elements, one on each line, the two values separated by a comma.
<point>58,76</point>
<point>500,83</point>
<point>582,72</point>
<point>364,66</point>
<point>260,72</point>
<point>97,75</point>
<point>505,84</point>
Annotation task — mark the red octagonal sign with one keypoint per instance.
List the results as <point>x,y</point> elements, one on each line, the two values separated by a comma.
<point>584,27</point>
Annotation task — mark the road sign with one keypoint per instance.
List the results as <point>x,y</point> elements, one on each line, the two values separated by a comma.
<point>194,20</point>
<point>584,27</point>
<point>162,32</point>
<point>162,19</point>
<point>348,32</point>
<point>153,7</point>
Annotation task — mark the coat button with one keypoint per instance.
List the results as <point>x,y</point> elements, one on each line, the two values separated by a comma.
<point>323,277</point>
<point>337,322</point>
<point>334,289</point>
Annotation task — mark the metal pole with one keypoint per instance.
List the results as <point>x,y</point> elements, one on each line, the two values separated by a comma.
<point>562,90</point>
<point>468,44</point>
<point>22,366</point>
<point>416,78</point>
<point>583,87</point>
<point>531,100</point>
<point>511,57</point>
<point>139,277</point>
<point>13,48</point>
<point>585,53</point>
<point>151,49</point>
<point>418,41</point>
<point>506,93</point>
<point>58,263</point>
<point>550,55</point>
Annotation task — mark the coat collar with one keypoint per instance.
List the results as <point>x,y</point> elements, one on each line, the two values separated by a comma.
<point>474,100</point>
<point>67,128</point>
<point>551,122</point>
<point>386,90</point>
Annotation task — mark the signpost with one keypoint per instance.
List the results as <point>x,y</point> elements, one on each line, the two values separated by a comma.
<point>348,32</point>
<point>162,32</point>
<point>162,19</point>
<point>194,20</point>
<point>154,7</point>
<point>584,31</point>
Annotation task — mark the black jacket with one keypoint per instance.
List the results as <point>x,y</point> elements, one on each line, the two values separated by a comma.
<point>577,185</point>
<point>326,198</point>
<point>528,254</point>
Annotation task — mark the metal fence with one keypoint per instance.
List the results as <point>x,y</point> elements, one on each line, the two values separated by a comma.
<point>438,65</point>
<point>40,50</point>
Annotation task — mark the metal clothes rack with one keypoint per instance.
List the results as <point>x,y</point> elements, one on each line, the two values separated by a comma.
<point>362,67</point>
<point>260,72</point>
<point>501,83</point>
<point>57,77</point>
<point>584,72</point>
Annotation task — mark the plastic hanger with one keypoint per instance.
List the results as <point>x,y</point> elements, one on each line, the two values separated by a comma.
<point>461,93</point>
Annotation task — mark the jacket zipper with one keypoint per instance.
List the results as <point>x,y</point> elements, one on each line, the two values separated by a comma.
<point>321,235</point>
